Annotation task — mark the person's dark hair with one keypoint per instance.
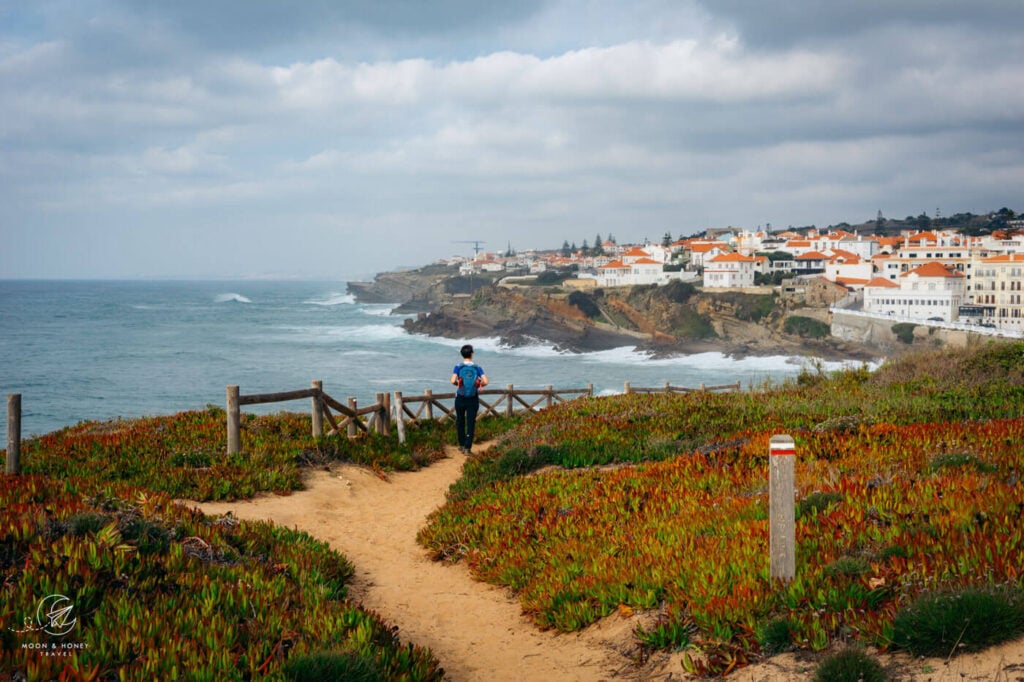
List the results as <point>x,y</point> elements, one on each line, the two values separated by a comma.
<point>467,351</point>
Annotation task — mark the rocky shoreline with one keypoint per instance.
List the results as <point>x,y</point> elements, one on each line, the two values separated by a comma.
<point>662,321</point>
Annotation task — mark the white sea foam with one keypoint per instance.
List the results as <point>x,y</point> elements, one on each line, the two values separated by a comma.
<point>378,310</point>
<point>226,298</point>
<point>333,298</point>
<point>371,333</point>
<point>629,355</point>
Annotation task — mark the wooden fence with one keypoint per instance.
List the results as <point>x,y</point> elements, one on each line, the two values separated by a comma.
<point>493,401</point>
<point>352,419</point>
<point>378,415</point>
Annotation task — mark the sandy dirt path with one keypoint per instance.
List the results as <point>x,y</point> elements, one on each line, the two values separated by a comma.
<point>478,631</point>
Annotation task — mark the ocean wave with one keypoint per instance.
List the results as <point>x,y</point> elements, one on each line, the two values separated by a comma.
<point>629,355</point>
<point>225,298</point>
<point>361,334</point>
<point>378,310</point>
<point>333,298</point>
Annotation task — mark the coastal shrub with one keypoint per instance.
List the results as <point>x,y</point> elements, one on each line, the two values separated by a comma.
<point>806,327</point>
<point>586,304</point>
<point>850,664</point>
<point>904,331</point>
<point>184,454</point>
<point>158,591</point>
<point>969,619</point>
<point>679,292</point>
<point>749,307</point>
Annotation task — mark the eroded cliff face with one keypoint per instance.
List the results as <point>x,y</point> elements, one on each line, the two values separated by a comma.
<point>520,317</point>
<point>666,320</point>
<point>676,318</point>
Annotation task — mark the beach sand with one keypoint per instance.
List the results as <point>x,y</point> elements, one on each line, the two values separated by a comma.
<point>478,631</point>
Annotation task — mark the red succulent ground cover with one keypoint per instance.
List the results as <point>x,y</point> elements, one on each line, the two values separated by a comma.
<point>902,489</point>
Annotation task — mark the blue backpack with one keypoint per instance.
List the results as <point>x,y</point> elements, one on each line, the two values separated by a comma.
<point>469,381</point>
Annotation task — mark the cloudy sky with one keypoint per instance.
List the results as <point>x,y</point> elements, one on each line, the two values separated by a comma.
<point>337,138</point>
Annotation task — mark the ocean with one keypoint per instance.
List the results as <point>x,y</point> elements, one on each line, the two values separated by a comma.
<point>98,350</point>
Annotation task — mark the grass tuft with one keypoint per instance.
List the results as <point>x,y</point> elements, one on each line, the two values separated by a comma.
<point>851,664</point>
<point>948,623</point>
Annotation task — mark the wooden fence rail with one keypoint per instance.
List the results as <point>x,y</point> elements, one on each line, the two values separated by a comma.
<point>493,401</point>
<point>13,464</point>
<point>350,421</point>
<point>668,388</point>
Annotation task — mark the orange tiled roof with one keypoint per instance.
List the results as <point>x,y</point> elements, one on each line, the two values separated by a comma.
<point>615,264</point>
<point>933,269</point>
<point>1005,258</point>
<point>812,255</point>
<point>646,261</point>
<point>733,258</point>
<point>882,282</point>
<point>848,256</point>
<point>707,246</point>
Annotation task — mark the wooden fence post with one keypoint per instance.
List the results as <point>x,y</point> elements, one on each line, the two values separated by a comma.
<point>667,386</point>
<point>551,395</point>
<point>386,414</point>
<point>378,422</point>
<point>590,390</point>
<point>352,423</point>
<point>782,509</point>
<point>234,421</point>
<point>510,407</point>
<point>13,433</point>
<point>428,396</point>
<point>399,417</point>
<point>318,409</point>
<point>627,389</point>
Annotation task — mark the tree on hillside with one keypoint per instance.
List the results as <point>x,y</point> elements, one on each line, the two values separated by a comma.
<point>584,249</point>
<point>598,245</point>
<point>667,239</point>
<point>566,250</point>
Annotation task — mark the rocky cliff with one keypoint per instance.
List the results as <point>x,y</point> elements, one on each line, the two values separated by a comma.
<point>423,289</point>
<point>666,320</point>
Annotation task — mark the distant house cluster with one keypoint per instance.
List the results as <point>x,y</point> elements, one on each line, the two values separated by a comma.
<point>937,276</point>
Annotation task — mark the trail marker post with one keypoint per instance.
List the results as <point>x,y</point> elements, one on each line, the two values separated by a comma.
<point>782,510</point>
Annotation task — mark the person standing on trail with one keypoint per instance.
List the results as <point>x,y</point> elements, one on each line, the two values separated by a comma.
<point>468,378</point>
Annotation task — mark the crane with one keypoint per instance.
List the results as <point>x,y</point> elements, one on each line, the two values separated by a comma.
<point>475,242</point>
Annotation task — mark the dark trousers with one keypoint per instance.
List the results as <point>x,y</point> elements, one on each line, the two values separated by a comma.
<point>466,408</point>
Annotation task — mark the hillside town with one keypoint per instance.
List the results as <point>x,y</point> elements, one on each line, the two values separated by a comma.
<point>937,277</point>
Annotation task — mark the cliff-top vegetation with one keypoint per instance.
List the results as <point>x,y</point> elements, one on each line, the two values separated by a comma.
<point>910,520</point>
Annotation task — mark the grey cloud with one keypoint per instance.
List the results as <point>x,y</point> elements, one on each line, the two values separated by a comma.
<point>796,21</point>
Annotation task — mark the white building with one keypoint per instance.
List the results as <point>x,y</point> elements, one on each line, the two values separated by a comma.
<point>731,270</point>
<point>930,291</point>
<point>638,272</point>
<point>996,288</point>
